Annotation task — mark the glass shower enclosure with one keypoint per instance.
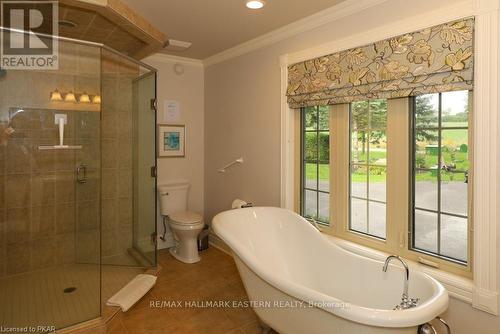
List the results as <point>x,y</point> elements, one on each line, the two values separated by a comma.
<point>77,184</point>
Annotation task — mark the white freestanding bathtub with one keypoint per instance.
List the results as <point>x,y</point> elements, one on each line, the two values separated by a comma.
<point>299,282</point>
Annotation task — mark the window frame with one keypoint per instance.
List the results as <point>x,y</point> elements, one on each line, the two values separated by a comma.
<point>399,207</point>
<point>426,257</point>
<point>482,291</point>
<point>369,129</point>
<point>303,162</point>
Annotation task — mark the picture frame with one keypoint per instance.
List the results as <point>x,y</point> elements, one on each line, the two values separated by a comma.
<point>171,141</point>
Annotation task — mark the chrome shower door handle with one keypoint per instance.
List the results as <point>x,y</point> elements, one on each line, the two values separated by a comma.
<point>81,174</point>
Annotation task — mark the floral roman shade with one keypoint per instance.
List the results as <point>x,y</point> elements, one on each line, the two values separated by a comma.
<point>431,60</point>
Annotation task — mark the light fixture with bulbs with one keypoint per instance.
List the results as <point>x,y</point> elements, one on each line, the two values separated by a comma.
<point>56,96</point>
<point>255,4</point>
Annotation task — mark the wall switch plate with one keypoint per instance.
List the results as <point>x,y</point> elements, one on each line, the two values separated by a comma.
<point>60,116</point>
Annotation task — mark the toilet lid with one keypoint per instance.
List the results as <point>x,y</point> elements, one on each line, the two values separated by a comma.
<point>186,217</point>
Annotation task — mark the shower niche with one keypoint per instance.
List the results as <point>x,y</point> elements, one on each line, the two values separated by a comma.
<point>77,196</point>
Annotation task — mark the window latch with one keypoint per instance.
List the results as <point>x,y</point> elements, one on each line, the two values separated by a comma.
<point>402,240</point>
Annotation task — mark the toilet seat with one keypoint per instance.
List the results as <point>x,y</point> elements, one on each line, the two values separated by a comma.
<point>185,218</point>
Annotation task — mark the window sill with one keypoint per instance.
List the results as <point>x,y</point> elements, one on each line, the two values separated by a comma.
<point>457,286</point>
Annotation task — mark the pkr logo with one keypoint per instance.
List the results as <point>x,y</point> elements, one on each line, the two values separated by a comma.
<point>27,36</point>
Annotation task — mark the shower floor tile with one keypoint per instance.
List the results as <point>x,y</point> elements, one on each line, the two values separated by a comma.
<point>38,298</point>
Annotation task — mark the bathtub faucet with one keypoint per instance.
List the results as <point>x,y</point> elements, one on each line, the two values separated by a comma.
<point>406,302</point>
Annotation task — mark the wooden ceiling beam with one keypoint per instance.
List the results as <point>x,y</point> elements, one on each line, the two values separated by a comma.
<point>143,38</point>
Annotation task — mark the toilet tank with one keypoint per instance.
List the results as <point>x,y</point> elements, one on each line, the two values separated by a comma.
<point>173,197</point>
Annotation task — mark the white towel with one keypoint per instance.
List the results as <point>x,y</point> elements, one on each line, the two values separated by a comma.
<point>132,292</point>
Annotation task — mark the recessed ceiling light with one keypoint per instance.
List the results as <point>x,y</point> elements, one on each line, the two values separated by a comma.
<point>255,4</point>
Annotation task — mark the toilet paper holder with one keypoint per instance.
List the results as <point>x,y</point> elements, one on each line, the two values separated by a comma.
<point>240,204</point>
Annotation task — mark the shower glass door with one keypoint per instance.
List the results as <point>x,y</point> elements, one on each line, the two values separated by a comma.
<point>87,183</point>
<point>144,116</point>
<point>77,214</point>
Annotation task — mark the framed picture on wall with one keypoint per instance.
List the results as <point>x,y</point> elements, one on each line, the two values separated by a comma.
<point>171,140</point>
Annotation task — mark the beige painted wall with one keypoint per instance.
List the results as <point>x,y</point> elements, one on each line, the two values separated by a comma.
<point>188,89</point>
<point>242,107</point>
<point>243,120</point>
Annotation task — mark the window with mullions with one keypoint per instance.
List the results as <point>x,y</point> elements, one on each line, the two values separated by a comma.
<point>315,197</point>
<point>441,175</point>
<point>368,166</point>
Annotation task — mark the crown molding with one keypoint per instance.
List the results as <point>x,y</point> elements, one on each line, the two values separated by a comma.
<point>164,58</point>
<point>331,14</point>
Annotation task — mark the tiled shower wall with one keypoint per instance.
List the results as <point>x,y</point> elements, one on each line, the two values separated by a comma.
<point>42,207</point>
<point>46,218</point>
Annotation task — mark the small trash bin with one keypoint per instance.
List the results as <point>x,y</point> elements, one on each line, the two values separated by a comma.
<point>203,239</point>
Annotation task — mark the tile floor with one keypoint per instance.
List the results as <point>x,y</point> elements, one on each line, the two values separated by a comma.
<point>214,278</point>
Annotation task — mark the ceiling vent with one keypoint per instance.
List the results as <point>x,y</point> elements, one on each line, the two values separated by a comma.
<point>177,46</point>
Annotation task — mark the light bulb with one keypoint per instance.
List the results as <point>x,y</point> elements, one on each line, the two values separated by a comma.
<point>70,97</point>
<point>96,99</point>
<point>255,4</point>
<point>55,96</point>
<point>84,98</point>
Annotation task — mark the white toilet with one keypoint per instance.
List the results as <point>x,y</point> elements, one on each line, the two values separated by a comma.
<point>185,225</point>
